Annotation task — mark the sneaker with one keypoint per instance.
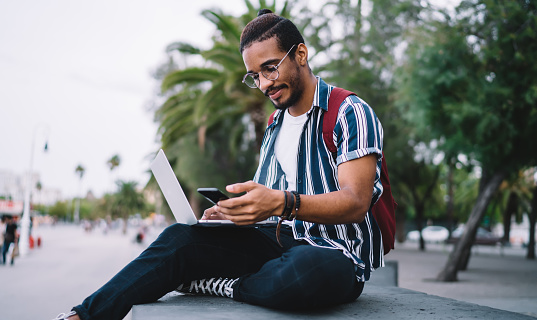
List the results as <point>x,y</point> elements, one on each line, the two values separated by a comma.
<point>64,316</point>
<point>222,287</point>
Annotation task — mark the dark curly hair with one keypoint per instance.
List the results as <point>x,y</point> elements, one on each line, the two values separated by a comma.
<point>267,25</point>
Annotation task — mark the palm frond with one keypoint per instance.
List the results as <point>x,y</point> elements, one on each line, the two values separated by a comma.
<point>224,24</point>
<point>190,75</point>
<point>225,56</point>
<point>250,6</point>
<point>182,47</point>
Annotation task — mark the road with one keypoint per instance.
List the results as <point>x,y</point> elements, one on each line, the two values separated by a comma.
<point>69,265</point>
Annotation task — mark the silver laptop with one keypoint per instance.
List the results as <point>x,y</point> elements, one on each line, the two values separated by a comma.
<point>174,195</point>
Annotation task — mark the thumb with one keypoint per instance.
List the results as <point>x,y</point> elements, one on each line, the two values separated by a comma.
<point>241,187</point>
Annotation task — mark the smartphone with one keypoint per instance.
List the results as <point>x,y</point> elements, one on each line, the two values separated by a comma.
<point>212,194</point>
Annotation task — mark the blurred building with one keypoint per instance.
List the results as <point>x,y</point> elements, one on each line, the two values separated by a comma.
<point>13,186</point>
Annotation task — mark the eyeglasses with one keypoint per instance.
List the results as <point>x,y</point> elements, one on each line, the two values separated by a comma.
<point>270,72</point>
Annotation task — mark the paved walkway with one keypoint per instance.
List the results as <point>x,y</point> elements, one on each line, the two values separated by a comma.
<point>501,279</point>
<point>71,264</point>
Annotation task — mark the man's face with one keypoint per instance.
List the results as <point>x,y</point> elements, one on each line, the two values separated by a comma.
<point>287,89</point>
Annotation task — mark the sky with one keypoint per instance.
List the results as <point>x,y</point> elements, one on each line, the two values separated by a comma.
<point>77,75</point>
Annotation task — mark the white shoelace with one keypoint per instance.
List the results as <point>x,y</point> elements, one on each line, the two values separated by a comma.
<point>219,287</point>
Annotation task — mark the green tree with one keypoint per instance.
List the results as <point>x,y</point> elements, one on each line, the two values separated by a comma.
<point>358,52</point>
<point>79,171</point>
<point>59,210</point>
<point>471,85</point>
<point>533,220</point>
<point>87,210</point>
<point>201,96</point>
<point>104,205</point>
<point>514,197</point>
<point>127,201</point>
<point>113,163</point>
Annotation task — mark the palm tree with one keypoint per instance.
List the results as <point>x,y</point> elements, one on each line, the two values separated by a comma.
<point>201,97</point>
<point>79,170</point>
<point>207,108</point>
<point>127,201</point>
<point>113,163</point>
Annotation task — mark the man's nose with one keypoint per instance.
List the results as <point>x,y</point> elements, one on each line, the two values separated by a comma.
<point>264,84</point>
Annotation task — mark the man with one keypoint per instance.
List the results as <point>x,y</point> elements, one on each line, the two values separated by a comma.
<point>10,236</point>
<point>328,244</point>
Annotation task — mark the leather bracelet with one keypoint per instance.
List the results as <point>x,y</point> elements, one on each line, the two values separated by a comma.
<point>278,227</point>
<point>297,203</point>
<point>284,204</point>
<point>292,206</point>
<point>289,206</point>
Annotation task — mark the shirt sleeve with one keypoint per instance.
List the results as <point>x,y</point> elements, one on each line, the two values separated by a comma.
<point>358,131</point>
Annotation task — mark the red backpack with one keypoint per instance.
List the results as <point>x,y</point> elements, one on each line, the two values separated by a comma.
<point>384,209</point>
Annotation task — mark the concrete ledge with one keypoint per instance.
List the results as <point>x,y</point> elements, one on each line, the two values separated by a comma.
<point>379,302</point>
<point>381,299</point>
<point>386,276</point>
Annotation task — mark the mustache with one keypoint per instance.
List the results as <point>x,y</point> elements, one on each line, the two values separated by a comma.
<point>273,89</point>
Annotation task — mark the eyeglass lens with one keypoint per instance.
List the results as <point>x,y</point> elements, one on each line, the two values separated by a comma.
<point>270,73</point>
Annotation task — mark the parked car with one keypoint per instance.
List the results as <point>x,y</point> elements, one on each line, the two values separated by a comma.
<point>483,236</point>
<point>430,234</point>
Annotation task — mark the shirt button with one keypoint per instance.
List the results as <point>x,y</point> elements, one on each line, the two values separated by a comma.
<point>299,181</point>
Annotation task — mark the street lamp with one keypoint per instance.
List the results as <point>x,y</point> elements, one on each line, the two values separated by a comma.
<point>24,241</point>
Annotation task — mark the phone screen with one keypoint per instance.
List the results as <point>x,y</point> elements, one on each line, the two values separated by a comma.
<point>213,194</point>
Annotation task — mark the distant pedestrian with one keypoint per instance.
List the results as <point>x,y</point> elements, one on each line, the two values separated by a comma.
<point>10,237</point>
<point>2,231</point>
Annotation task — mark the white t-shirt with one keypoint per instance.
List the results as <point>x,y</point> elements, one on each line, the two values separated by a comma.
<point>286,147</point>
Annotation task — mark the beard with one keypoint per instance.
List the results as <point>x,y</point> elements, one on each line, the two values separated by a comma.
<point>297,90</point>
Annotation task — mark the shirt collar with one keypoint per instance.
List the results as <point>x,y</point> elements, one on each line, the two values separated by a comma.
<point>321,95</point>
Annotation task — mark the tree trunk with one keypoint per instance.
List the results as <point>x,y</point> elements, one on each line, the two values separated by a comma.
<point>419,223</point>
<point>465,259</point>
<point>450,192</point>
<point>532,218</point>
<point>400,222</point>
<point>462,247</point>
<point>510,209</point>
<point>125,224</point>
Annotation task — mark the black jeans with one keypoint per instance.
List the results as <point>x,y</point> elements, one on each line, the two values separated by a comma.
<point>5,249</point>
<point>295,276</point>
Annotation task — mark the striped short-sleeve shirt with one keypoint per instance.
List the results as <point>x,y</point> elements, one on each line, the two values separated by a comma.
<point>357,133</point>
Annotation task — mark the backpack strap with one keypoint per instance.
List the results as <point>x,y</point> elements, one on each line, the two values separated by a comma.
<point>337,95</point>
<point>384,209</point>
<point>271,118</point>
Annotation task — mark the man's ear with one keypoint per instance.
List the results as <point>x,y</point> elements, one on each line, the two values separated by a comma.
<point>301,54</point>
